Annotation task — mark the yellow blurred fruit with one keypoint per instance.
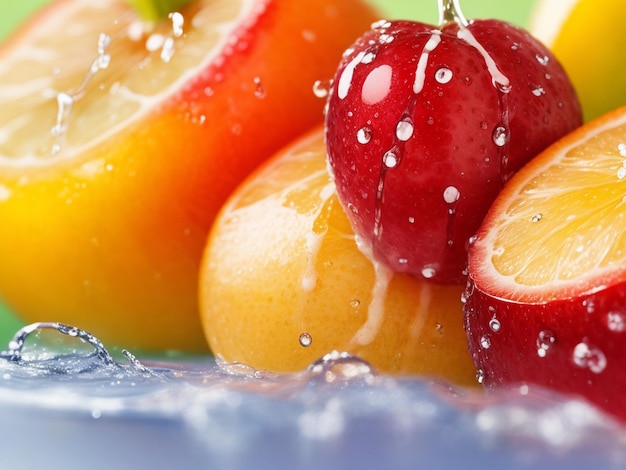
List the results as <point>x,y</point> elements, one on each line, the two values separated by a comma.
<point>283,282</point>
<point>588,37</point>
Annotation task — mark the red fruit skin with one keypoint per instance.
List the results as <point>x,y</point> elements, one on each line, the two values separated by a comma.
<point>400,213</point>
<point>576,345</point>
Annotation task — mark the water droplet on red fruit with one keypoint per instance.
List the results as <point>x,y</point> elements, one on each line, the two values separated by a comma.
<point>545,340</point>
<point>404,130</point>
<point>259,91</point>
<point>485,342</point>
<point>443,75</point>
<point>390,159</point>
<point>495,325</point>
<point>451,194</point>
<point>538,91</point>
<point>364,135</point>
<point>589,357</point>
<point>321,88</point>
<point>616,322</point>
<point>500,136</point>
<point>480,376</point>
<point>543,59</point>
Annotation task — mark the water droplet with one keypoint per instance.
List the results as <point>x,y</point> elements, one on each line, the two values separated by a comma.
<point>439,329</point>
<point>542,59</point>
<point>589,305</point>
<point>385,38</point>
<point>305,340</point>
<point>411,220</point>
<point>390,159</point>
<point>321,88</point>
<point>177,23</point>
<point>621,148</point>
<point>355,303</point>
<point>443,75</point>
<point>364,135</point>
<point>538,91</point>
<point>589,357</point>
<point>381,24</point>
<point>154,42</point>
<point>259,91</point>
<point>368,58</point>
<point>500,136</point>
<point>451,194</point>
<point>616,322</point>
<point>480,376</point>
<point>341,367</point>
<point>168,50</point>
<point>404,130</point>
<point>428,272</point>
<point>545,340</point>
<point>536,218</point>
<point>485,342</point>
<point>495,325</point>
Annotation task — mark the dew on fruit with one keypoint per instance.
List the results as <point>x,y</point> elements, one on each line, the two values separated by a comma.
<point>500,136</point>
<point>538,91</point>
<point>589,357</point>
<point>404,130</point>
<point>428,272</point>
<point>589,305</point>
<point>380,24</point>
<point>154,42</point>
<point>420,72</point>
<point>355,303</point>
<point>390,159</point>
<point>364,135</point>
<point>443,75</point>
<point>451,195</point>
<point>321,88</point>
<point>385,38</point>
<point>616,322</point>
<point>480,376</point>
<point>545,340</point>
<point>259,90</point>
<point>542,59</point>
<point>345,80</point>
<point>168,50</point>
<point>498,79</point>
<point>536,218</point>
<point>411,220</point>
<point>485,342</point>
<point>305,340</point>
<point>495,325</point>
<point>621,148</point>
<point>177,23</point>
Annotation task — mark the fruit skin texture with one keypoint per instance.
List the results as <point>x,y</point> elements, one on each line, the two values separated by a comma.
<point>459,116</point>
<point>282,261</point>
<point>574,345</point>
<point>111,241</point>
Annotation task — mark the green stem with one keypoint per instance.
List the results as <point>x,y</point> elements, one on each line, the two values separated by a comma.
<point>154,10</point>
<point>450,12</point>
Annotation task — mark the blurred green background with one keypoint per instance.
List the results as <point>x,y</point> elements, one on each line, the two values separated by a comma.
<point>517,11</point>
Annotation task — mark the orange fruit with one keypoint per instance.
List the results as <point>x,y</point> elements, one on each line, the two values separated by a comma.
<point>546,299</point>
<point>283,282</point>
<point>121,140</point>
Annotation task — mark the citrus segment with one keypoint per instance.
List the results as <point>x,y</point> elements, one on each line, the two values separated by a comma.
<point>120,141</point>
<point>560,223</point>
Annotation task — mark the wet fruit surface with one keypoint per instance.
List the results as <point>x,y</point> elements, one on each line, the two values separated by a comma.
<point>425,125</point>
<point>120,141</point>
<point>283,283</point>
<point>546,295</point>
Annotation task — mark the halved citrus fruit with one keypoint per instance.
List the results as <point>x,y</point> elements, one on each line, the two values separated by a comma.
<point>595,29</point>
<point>121,139</point>
<point>546,298</point>
<point>283,282</point>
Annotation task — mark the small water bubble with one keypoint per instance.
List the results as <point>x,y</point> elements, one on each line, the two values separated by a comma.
<point>485,342</point>
<point>368,58</point>
<point>443,75</point>
<point>621,148</point>
<point>495,325</point>
<point>589,305</point>
<point>430,120</point>
<point>404,130</point>
<point>104,41</point>
<point>542,59</point>
<point>536,218</point>
<point>259,91</point>
<point>503,87</point>
<point>545,340</point>
<point>355,303</point>
<point>484,125</point>
<point>589,357</point>
<point>428,272</point>
<point>154,42</point>
<point>168,50</point>
<point>390,159</point>
<point>439,329</point>
<point>386,38</point>
<point>538,91</point>
<point>305,340</point>
<point>411,220</point>
<point>616,322</point>
<point>177,23</point>
<point>621,172</point>
<point>500,136</point>
<point>321,88</point>
<point>451,194</point>
<point>364,135</point>
<point>380,24</point>
<point>480,376</point>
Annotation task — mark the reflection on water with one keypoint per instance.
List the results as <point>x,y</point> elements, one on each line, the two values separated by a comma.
<point>62,392</point>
